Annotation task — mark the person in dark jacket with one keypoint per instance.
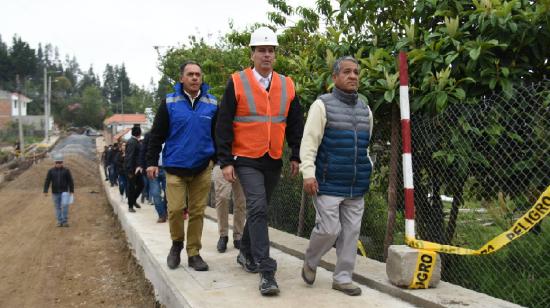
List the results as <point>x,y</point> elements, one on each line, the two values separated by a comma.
<point>259,110</point>
<point>61,180</point>
<point>113,175</point>
<point>184,123</point>
<point>133,170</point>
<point>119,166</point>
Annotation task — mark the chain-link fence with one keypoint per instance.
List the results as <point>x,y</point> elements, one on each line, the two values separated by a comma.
<point>477,169</point>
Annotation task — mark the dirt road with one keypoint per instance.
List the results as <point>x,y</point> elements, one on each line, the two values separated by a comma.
<point>85,265</point>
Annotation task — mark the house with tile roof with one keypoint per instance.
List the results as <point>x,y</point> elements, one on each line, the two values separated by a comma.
<point>122,123</point>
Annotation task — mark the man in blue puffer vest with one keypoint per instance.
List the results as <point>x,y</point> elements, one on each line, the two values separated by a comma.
<point>184,123</point>
<point>336,168</point>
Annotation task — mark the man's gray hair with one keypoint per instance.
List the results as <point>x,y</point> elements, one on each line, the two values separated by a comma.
<point>182,67</point>
<point>338,64</point>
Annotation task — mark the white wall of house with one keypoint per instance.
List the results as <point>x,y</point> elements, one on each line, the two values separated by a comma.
<point>15,108</point>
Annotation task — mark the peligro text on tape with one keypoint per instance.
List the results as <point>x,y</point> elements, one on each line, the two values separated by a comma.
<point>425,266</point>
<point>531,218</point>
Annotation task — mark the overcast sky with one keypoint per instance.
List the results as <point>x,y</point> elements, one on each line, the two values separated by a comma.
<point>122,31</point>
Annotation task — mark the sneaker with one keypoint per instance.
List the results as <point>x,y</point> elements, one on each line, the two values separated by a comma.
<point>66,225</point>
<point>137,206</point>
<point>237,244</point>
<point>197,263</point>
<point>173,260</point>
<point>59,224</point>
<point>222,244</point>
<point>131,210</point>
<point>308,275</point>
<point>268,285</point>
<point>247,263</point>
<point>161,220</point>
<point>347,288</point>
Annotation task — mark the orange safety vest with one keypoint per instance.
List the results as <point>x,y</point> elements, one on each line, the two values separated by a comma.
<point>260,119</point>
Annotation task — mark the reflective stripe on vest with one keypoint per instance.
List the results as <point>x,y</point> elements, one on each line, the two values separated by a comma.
<point>254,117</point>
<point>203,99</point>
<point>259,124</point>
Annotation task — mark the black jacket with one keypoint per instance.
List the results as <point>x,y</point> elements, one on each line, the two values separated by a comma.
<point>132,156</point>
<point>224,133</point>
<point>143,151</point>
<point>61,180</point>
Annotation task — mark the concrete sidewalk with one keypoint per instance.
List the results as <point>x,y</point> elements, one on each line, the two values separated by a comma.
<point>226,284</point>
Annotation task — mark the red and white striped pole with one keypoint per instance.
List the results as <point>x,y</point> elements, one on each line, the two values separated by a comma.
<point>406,143</point>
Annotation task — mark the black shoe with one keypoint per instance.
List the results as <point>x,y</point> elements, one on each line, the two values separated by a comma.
<point>131,210</point>
<point>237,244</point>
<point>197,263</point>
<point>137,206</point>
<point>247,263</point>
<point>222,243</point>
<point>173,260</point>
<point>268,285</point>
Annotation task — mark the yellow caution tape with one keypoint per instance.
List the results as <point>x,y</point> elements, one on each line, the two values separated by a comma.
<point>425,265</point>
<point>361,248</point>
<point>519,228</point>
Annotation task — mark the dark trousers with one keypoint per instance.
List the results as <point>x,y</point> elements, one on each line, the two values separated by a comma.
<point>134,186</point>
<point>258,186</point>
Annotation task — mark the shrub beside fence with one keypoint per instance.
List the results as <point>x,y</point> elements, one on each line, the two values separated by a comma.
<point>477,168</point>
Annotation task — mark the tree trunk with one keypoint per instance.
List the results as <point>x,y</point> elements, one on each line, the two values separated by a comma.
<point>451,225</point>
<point>392,181</point>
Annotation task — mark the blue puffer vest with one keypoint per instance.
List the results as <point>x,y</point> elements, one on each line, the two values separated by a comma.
<point>189,144</point>
<point>343,165</point>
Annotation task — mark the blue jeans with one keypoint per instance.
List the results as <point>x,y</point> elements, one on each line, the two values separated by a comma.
<point>112,174</point>
<point>122,184</point>
<point>145,193</point>
<point>61,209</point>
<point>155,185</point>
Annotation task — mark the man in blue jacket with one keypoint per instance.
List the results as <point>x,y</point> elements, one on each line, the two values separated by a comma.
<point>184,123</point>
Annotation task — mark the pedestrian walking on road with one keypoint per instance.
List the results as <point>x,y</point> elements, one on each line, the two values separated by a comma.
<point>259,108</point>
<point>133,170</point>
<point>184,123</point>
<point>62,184</point>
<point>336,168</point>
<point>223,191</point>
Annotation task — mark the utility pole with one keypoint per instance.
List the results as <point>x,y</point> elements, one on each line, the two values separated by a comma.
<point>46,120</point>
<point>49,100</point>
<point>121,97</point>
<point>20,119</point>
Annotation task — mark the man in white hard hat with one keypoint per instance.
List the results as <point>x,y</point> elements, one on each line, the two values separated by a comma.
<point>62,189</point>
<point>259,109</point>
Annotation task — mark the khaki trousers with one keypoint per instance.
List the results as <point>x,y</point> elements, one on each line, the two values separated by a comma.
<point>222,194</point>
<point>337,220</point>
<point>194,190</point>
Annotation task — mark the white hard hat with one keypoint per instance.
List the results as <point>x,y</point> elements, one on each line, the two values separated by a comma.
<point>58,157</point>
<point>263,36</point>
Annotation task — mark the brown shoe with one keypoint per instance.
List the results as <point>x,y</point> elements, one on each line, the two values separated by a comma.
<point>347,288</point>
<point>161,220</point>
